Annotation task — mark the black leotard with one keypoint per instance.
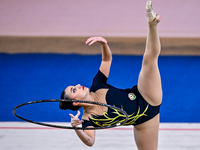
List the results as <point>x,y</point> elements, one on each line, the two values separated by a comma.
<point>130,100</point>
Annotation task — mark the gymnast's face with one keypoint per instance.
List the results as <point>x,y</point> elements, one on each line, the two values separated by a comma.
<point>77,92</point>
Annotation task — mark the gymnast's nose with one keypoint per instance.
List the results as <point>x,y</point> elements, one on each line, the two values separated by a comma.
<point>78,86</point>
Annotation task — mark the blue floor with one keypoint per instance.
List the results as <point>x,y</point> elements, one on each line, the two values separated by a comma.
<point>27,77</point>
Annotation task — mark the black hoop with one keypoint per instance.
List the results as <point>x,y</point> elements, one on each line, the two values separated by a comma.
<point>67,127</point>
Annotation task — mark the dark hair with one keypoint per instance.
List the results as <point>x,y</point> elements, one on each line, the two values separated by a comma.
<point>67,105</point>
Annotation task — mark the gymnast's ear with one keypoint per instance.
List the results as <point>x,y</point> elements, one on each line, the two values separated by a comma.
<point>75,103</point>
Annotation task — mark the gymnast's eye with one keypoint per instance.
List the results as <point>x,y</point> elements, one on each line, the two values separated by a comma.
<point>74,90</point>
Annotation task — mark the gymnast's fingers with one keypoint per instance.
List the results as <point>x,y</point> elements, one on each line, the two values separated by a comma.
<point>88,40</point>
<point>72,116</point>
<point>78,114</point>
<point>91,40</point>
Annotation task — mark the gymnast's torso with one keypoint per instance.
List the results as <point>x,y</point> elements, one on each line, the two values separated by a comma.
<point>130,100</point>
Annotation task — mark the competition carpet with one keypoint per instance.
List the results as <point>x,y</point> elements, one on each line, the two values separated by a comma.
<point>27,77</point>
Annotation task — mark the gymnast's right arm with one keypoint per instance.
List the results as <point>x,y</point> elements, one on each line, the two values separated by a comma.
<point>86,136</point>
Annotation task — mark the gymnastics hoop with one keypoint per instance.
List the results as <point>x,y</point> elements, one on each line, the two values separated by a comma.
<point>68,127</point>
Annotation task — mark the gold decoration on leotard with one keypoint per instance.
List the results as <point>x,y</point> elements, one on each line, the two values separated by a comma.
<point>105,120</point>
<point>133,118</point>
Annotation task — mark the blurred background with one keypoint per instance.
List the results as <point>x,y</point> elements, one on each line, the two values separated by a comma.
<point>42,51</point>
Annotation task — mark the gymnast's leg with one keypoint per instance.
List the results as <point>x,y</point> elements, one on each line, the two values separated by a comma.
<point>149,82</point>
<point>149,85</point>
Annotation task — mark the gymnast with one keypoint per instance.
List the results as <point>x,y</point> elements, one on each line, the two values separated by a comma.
<point>141,102</point>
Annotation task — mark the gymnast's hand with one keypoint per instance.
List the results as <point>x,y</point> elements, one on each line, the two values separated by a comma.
<point>75,120</point>
<point>92,40</point>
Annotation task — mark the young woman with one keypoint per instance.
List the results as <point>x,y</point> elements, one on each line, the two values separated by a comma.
<point>141,102</point>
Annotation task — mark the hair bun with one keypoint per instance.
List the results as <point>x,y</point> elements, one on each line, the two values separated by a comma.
<point>63,105</point>
<point>68,105</point>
